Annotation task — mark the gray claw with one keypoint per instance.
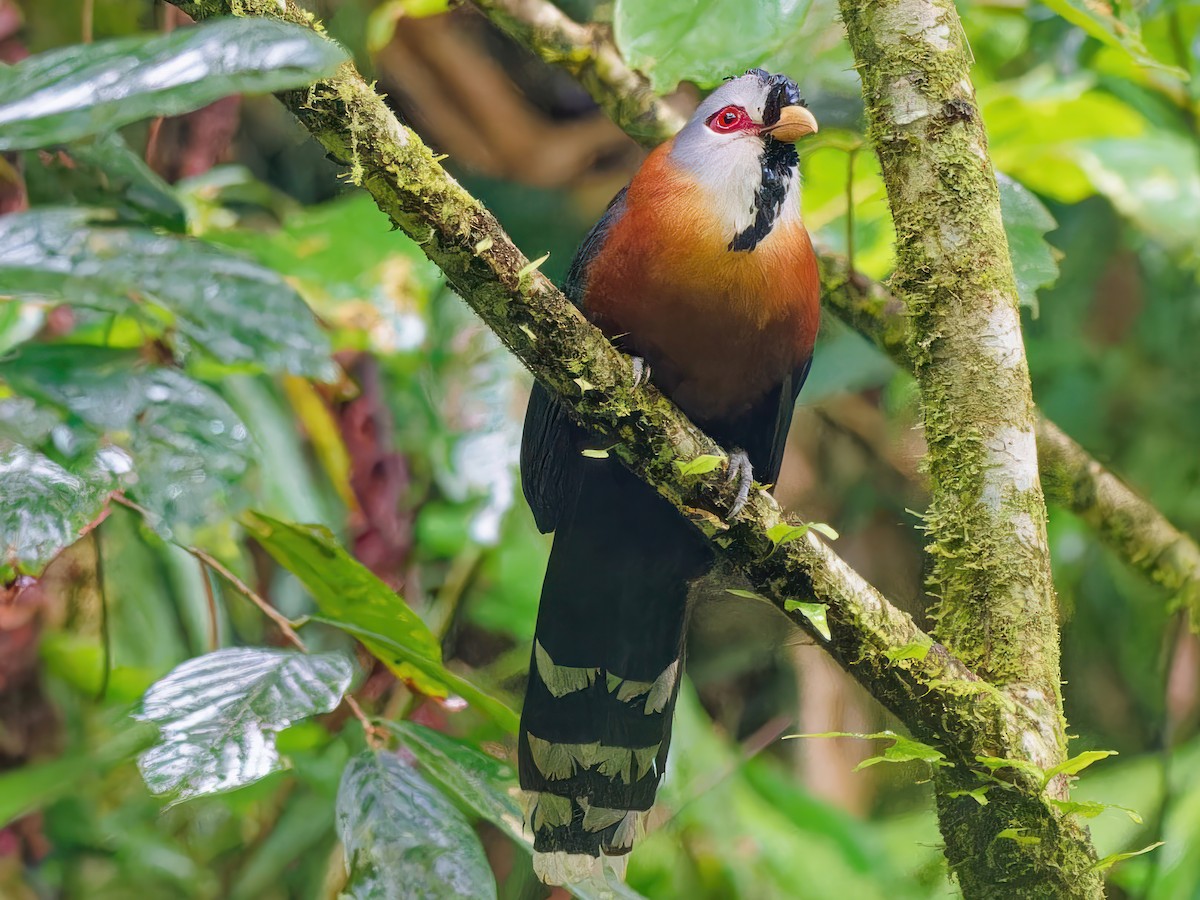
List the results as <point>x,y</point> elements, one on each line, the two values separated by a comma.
<point>641,372</point>
<point>739,470</point>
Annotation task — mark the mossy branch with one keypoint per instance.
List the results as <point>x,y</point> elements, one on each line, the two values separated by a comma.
<point>933,693</point>
<point>589,54</point>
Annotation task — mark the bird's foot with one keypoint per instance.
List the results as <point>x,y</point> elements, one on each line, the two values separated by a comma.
<point>742,472</point>
<point>641,372</point>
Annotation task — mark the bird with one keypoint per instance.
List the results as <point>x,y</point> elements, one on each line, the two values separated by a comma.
<point>702,270</point>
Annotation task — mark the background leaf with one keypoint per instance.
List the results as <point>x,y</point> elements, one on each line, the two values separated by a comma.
<point>66,94</point>
<point>352,598</point>
<point>219,714</point>
<point>1026,222</point>
<point>188,447</point>
<point>403,838</point>
<point>238,311</point>
<point>673,42</point>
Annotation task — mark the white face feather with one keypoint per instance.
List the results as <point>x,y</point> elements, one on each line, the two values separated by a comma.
<point>730,165</point>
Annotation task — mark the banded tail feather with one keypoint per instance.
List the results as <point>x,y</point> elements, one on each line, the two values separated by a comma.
<point>604,672</point>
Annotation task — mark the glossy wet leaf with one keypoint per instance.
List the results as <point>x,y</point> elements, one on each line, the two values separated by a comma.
<point>1026,222</point>
<point>104,172</point>
<point>352,598</point>
<point>218,716</point>
<point>485,785</point>
<point>238,311</point>
<point>47,506</point>
<point>404,838</point>
<point>72,92</point>
<point>189,449</point>
<point>673,42</point>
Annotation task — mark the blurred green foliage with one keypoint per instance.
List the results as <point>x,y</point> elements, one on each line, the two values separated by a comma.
<point>178,342</point>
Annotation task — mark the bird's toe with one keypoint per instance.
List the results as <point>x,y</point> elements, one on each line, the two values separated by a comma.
<point>741,472</point>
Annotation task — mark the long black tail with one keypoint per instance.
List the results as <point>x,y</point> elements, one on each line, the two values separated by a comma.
<point>607,662</point>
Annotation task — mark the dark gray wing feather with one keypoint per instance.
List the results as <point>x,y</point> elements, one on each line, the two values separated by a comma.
<point>551,444</point>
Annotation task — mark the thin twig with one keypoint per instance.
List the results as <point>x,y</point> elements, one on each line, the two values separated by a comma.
<point>280,620</point>
<point>211,600</point>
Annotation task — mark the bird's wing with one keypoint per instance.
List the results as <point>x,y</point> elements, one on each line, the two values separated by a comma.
<point>551,442</point>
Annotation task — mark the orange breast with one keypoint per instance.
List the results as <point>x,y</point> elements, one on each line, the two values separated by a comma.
<point>718,328</point>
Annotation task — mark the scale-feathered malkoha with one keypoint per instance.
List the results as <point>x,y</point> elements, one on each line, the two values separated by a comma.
<point>703,271</point>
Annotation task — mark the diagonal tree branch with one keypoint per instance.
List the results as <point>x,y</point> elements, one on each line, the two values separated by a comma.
<point>587,52</point>
<point>934,694</point>
<point>1131,526</point>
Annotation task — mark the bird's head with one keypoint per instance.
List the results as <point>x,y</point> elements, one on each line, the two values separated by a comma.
<point>740,147</point>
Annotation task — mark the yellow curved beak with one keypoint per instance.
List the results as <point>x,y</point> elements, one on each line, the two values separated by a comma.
<point>794,123</point>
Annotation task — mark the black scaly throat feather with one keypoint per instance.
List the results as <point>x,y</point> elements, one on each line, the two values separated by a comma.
<point>779,161</point>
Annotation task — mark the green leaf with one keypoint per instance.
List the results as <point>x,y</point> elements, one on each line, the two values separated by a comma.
<point>403,838</point>
<point>484,785</point>
<point>48,506</point>
<point>240,312</point>
<point>902,749</point>
<point>785,533</point>
<point>189,448</point>
<point>916,650</point>
<point>351,598</point>
<point>824,530</point>
<point>816,613</point>
<point>701,465</point>
<point>1113,858</point>
<point>1015,834</point>
<point>1089,809</point>
<point>219,714</point>
<point>72,92</point>
<point>1098,21</point>
<point>595,454</point>
<point>673,42</point>
<point>1076,764</point>
<point>979,794</point>
<point>1026,222</point>
<point>104,172</point>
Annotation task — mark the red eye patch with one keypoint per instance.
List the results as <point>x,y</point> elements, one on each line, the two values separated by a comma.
<point>730,119</point>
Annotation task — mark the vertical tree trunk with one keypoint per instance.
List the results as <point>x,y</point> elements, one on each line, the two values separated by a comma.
<point>986,523</point>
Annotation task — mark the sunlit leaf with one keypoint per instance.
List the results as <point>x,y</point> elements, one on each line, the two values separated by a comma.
<point>1077,763</point>
<point>189,449</point>
<point>240,312</point>
<point>1089,809</point>
<point>1113,858</point>
<point>701,465</point>
<point>66,94</point>
<point>917,650</point>
<point>403,838</point>
<point>816,613</point>
<point>1026,222</point>
<point>902,749</point>
<point>219,714</point>
<point>785,533</point>
<point>350,597</point>
<point>673,42</point>
<point>47,506</point>
<point>1018,836</point>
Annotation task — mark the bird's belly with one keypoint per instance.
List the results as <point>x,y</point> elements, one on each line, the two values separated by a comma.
<point>712,370</point>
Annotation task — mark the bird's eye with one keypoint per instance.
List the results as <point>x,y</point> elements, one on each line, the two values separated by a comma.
<point>731,118</point>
